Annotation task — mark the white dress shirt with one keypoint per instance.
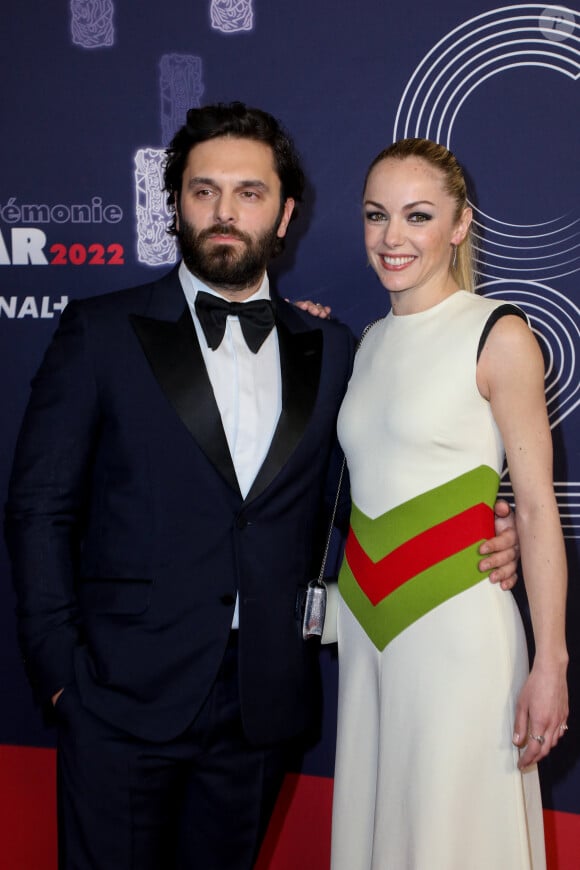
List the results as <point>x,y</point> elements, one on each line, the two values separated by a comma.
<point>247,387</point>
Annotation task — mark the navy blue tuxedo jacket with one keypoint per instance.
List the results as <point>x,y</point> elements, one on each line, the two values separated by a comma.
<point>129,536</point>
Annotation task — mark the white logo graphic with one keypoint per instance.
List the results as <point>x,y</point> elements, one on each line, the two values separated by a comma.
<point>27,246</point>
<point>476,50</point>
<point>555,320</point>
<point>88,212</point>
<point>485,46</point>
<point>231,16</point>
<point>557,24</point>
<point>92,23</point>
<point>181,89</point>
<point>46,308</point>
<point>154,246</point>
<point>490,44</point>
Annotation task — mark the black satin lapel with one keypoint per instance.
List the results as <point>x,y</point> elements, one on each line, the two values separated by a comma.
<point>173,352</point>
<point>300,363</point>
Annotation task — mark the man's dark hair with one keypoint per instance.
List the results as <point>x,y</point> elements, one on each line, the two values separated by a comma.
<point>236,120</point>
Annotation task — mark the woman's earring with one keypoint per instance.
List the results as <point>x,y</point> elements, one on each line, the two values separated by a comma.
<point>454,263</point>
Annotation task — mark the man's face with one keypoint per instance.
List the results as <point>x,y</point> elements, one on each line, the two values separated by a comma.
<point>230,214</point>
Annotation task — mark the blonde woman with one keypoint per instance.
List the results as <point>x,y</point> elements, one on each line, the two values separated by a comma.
<point>440,725</point>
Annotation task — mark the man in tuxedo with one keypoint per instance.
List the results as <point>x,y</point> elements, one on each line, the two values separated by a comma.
<point>165,515</point>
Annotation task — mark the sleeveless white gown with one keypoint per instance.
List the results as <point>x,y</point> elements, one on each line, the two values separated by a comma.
<point>432,655</point>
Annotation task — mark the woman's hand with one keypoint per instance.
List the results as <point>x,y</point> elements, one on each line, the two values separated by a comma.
<point>541,712</point>
<point>314,308</point>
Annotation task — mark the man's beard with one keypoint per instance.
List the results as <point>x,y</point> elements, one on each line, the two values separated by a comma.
<point>226,266</point>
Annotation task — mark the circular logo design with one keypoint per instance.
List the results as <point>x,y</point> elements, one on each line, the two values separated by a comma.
<point>492,44</point>
<point>557,24</point>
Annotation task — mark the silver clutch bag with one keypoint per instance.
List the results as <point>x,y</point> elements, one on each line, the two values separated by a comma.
<point>314,609</point>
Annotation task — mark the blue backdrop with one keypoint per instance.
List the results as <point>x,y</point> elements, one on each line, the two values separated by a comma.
<point>92,92</point>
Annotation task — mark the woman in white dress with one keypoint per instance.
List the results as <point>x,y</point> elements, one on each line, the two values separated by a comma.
<point>440,725</point>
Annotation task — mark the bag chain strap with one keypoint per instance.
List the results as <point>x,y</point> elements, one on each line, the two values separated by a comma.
<point>320,580</point>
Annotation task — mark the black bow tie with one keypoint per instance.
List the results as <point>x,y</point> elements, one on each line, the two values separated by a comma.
<point>256,319</point>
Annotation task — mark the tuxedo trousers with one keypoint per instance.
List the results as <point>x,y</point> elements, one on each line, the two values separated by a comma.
<point>201,801</point>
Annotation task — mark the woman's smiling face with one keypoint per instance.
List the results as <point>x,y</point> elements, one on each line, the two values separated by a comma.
<point>411,225</point>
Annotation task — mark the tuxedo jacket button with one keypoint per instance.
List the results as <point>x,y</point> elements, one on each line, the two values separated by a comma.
<point>228,600</point>
<point>241,522</point>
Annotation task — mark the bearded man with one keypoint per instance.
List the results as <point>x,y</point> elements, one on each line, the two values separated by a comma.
<point>164,519</point>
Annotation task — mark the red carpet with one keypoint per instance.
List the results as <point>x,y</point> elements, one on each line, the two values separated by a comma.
<point>299,834</point>
<point>27,812</point>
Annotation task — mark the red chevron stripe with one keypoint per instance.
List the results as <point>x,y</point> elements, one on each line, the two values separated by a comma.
<point>379,579</point>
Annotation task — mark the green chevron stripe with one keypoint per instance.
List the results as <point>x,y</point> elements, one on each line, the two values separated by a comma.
<point>438,583</point>
<point>382,535</point>
<point>412,600</point>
